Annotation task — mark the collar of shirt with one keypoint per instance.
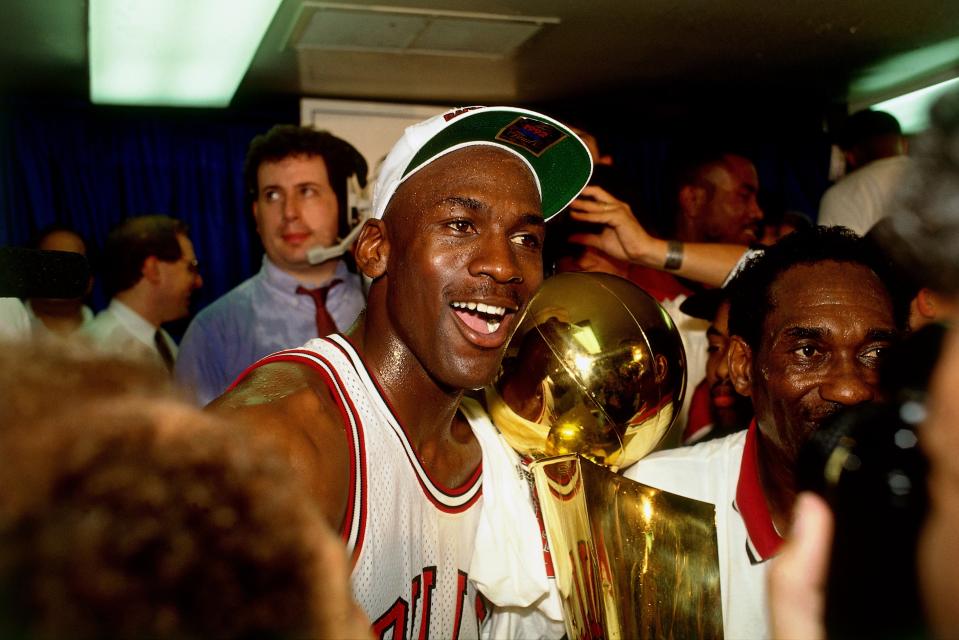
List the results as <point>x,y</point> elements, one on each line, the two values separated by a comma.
<point>287,283</point>
<point>762,539</point>
<point>133,322</point>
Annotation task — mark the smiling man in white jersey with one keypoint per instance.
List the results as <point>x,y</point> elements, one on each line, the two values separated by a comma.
<point>370,420</point>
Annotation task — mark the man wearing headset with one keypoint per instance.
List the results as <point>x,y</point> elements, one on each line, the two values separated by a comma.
<point>297,182</point>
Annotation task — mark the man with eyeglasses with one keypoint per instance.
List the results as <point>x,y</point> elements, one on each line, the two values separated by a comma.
<point>151,271</point>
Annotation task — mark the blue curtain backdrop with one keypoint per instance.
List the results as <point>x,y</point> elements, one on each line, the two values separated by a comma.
<point>91,167</point>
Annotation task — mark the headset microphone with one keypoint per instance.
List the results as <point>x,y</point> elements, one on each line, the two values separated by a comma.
<point>357,211</point>
<point>318,255</point>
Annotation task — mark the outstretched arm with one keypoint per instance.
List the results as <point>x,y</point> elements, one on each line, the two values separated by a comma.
<point>291,405</point>
<point>623,237</point>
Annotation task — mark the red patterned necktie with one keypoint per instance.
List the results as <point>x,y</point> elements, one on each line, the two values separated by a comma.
<point>324,323</point>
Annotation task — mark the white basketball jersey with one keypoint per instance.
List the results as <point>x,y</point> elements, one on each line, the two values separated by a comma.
<point>411,539</point>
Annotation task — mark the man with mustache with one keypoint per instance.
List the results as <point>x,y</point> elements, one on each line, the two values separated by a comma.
<point>716,410</point>
<point>375,422</point>
<point>809,320</point>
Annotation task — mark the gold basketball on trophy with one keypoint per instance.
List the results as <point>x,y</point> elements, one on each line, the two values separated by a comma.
<point>591,381</point>
<point>596,367</point>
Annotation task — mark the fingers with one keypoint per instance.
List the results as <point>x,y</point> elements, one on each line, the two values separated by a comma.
<point>597,193</point>
<point>596,200</point>
<point>797,578</point>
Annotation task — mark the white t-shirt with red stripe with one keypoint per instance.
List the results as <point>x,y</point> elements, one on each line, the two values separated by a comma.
<point>725,473</point>
<point>411,539</point>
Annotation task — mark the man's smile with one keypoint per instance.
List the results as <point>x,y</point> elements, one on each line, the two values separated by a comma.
<point>483,322</point>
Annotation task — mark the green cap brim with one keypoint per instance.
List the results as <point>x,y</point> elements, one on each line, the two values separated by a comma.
<point>558,157</point>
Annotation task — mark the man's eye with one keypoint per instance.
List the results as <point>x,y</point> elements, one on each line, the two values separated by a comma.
<point>527,240</point>
<point>807,351</point>
<point>271,196</point>
<point>460,226</point>
<point>875,353</point>
<point>308,191</point>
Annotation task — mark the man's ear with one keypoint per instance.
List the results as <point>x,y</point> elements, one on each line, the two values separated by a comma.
<point>692,199</point>
<point>926,304</point>
<point>739,358</point>
<point>372,248</point>
<point>151,269</point>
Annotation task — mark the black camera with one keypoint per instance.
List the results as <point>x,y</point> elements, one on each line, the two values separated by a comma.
<point>866,462</point>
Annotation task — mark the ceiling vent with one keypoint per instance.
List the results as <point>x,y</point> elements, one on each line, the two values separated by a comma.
<point>348,27</point>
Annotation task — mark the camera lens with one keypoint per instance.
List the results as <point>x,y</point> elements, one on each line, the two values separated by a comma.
<point>868,465</point>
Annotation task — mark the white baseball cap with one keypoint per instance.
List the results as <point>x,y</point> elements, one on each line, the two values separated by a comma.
<point>557,158</point>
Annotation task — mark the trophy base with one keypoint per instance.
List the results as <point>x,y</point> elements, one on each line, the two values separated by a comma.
<point>630,561</point>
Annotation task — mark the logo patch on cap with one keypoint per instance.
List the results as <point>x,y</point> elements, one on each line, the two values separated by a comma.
<point>533,135</point>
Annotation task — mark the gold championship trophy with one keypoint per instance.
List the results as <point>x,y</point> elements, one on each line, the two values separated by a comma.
<point>590,383</point>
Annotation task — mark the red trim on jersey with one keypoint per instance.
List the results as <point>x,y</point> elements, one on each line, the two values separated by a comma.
<point>355,442</point>
<point>462,589</point>
<point>426,612</point>
<point>751,501</point>
<point>456,492</point>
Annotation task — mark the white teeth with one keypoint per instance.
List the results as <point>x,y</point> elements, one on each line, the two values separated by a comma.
<point>492,326</point>
<point>481,307</point>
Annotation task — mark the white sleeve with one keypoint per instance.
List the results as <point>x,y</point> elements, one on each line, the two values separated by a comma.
<point>14,321</point>
<point>836,208</point>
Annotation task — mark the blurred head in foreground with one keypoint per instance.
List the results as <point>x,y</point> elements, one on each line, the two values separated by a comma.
<point>924,236</point>
<point>131,514</point>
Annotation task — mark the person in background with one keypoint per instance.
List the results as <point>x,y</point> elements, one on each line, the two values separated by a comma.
<point>716,410</point>
<point>716,217</point>
<point>297,183</point>
<point>55,316</point>
<point>151,272</point>
<point>129,513</point>
<point>876,162</point>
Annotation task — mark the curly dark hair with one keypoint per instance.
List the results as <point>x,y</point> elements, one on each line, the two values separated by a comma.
<point>133,515</point>
<point>750,295</point>
<point>285,140</point>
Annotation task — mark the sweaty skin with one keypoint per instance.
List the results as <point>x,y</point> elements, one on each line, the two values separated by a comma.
<point>465,230</point>
<point>819,352</point>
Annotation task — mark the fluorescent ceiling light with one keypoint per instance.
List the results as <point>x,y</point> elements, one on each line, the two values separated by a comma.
<point>173,52</point>
<point>912,109</point>
<point>904,68</point>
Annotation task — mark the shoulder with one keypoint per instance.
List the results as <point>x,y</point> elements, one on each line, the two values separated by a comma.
<point>697,472</point>
<point>226,306</point>
<point>103,327</point>
<point>290,404</point>
<point>14,321</point>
